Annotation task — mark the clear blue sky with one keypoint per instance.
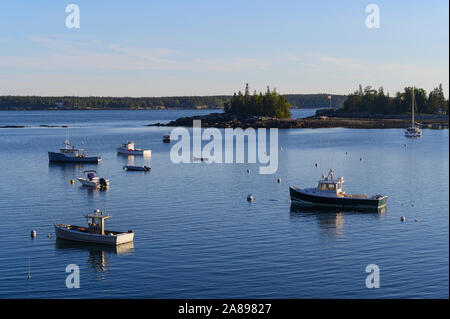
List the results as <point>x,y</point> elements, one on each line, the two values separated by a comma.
<point>166,48</point>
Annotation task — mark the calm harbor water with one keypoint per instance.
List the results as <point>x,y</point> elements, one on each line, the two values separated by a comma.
<point>196,236</point>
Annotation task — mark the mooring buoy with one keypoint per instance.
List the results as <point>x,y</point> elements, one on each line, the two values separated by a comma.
<point>33,233</point>
<point>279,180</point>
<point>403,219</point>
<point>250,198</point>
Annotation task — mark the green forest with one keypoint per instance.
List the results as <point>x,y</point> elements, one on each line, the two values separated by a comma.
<point>269,104</point>
<point>9,102</point>
<point>376,101</point>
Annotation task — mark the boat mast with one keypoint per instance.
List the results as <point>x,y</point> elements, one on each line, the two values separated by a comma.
<point>413,100</point>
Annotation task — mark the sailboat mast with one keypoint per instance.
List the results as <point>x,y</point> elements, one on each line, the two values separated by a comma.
<point>413,106</point>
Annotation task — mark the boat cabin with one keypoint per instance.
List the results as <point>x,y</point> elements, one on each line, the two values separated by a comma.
<point>129,146</point>
<point>96,222</point>
<point>329,184</point>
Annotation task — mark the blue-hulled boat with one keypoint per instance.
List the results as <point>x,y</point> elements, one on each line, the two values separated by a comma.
<point>72,154</point>
<point>329,193</point>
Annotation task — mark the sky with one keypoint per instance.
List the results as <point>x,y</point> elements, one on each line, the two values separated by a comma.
<point>173,48</point>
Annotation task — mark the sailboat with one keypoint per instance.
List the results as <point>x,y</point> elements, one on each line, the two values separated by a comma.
<point>413,130</point>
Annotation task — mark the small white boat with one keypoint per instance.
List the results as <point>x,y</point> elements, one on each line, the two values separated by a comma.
<point>94,233</point>
<point>136,168</point>
<point>414,130</point>
<point>129,149</point>
<point>92,180</point>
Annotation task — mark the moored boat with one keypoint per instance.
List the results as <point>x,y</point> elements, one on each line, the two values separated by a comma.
<point>129,149</point>
<point>166,138</point>
<point>92,180</point>
<point>94,233</point>
<point>72,154</point>
<point>136,168</point>
<point>414,130</point>
<point>329,193</point>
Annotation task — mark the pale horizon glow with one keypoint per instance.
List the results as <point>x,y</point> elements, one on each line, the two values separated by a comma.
<point>150,48</point>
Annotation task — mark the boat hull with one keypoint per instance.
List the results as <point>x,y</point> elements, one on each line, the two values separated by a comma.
<point>136,168</point>
<point>67,234</point>
<point>125,151</point>
<point>297,195</point>
<point>59,157</point>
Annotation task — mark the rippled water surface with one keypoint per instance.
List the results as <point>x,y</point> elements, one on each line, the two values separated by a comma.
<point>196,236</point>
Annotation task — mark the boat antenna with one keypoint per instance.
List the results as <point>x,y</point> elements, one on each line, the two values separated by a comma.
<point>413,105</point>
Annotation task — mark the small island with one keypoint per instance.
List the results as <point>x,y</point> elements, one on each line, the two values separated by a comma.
<point>364,109</point>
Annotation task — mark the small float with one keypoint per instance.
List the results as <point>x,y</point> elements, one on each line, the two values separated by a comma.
<point>136,168</point>
<point>329,193</point>
<point>129,149</point>
<point>91,180</point>
<point>95,232</point>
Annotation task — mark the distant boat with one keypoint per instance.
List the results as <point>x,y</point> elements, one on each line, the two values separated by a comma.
<point>94,233</point>
<point>72,154</point>
<point>129,149</point>
<point>92,180</point>
<point>136,168</point>
<point>329,193</point>
<point>166,138</point>
<point>414,130</point>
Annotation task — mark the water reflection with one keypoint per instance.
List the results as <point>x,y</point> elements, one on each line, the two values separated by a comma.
<point>98,255</point>
<point>331,220</point>
<point>131,159</point>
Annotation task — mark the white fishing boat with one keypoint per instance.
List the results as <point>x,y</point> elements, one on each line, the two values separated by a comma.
<point>329,193</point>
<point>95,232</point>
<point>129,149</point>
<point>414,130</point>
<point>92,180</point>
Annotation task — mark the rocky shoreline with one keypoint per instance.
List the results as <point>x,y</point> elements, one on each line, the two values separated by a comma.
<point>220,120</point>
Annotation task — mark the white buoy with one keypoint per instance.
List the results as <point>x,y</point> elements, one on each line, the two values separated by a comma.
<point>279,180</point>
<point>403,219</point>
<point>33,233</point>
<point>250,198</point>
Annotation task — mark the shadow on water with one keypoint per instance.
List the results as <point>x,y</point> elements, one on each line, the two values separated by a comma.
<point>98,255</point>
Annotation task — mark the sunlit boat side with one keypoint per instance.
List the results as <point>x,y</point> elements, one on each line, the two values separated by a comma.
<point>94,233</point>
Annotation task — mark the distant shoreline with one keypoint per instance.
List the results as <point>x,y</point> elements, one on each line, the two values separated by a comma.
<point>221,120</point>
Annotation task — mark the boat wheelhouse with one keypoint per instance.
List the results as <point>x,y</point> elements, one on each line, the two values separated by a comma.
<point>329,192</point>
<point>95,232</point>
<point>71,154</point>
<point>128,148</point>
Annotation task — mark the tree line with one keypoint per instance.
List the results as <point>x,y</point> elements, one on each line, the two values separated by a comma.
<point>9,102</point>
<point>376,101</point>
<point>269,104</point>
